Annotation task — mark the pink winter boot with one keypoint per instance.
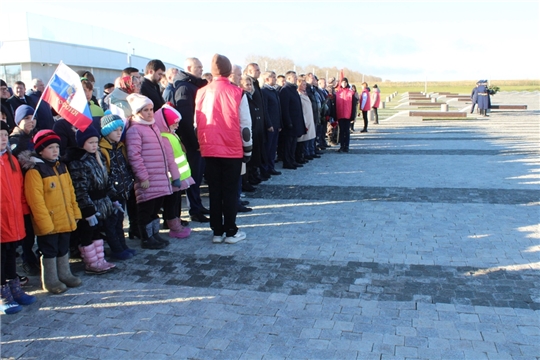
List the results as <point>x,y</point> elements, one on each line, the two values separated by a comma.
<point>100,251</point>
<point>92,265</point>
<point>177,230</point>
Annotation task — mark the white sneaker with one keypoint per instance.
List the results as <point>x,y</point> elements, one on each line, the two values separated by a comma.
<point>218,239</point>
<point>239,236</point>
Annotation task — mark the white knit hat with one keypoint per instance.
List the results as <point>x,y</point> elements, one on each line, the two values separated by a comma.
<point>137,102</point>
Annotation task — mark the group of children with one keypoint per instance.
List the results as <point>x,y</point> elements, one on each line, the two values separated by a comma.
<point>83,195</point>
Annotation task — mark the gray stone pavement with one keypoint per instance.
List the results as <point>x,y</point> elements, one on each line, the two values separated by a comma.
<point>422,243</point>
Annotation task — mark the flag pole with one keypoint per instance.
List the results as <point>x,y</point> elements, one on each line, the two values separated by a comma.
<point>45,88</point>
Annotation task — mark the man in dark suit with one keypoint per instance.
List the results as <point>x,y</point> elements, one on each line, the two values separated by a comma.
<point>273,109</point>
<point>293,119</point>
<point>19,97</point>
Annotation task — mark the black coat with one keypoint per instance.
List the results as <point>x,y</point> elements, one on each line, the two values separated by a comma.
<point>44,115</point>
<point>64,129</point>
<point>152,91</point>
<point>91,182</point>
<point>6,108</point>
<point>20,141</point>
<point>273,106</point>
<point>257,129</point>
<point>291,111</point>
<point>15,102</point>
<point>184,100</point>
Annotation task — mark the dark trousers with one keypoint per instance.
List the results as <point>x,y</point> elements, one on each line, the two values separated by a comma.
<point>9,262</point>
<point>86,234</point>
<point>148,211</point>
<point>131,207</point>
<point>55,245</point>
<point>114,230</point>
<point>344,133</point>
<point>364,116</point>
<point>289,150</point>
<point>223,176</point>
<point>375,111</point>
<point>271,150</point>
<point>172,205</point>
<point>28,255</point>
<point>197,165</point>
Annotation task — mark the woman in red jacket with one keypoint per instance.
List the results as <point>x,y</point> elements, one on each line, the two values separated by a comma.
<point>11,227</point>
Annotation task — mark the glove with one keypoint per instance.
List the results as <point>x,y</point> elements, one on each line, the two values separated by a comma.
<point>145,184</point>
<point>176,183</point>
<point>117,207</point>
<point>92,220</point>
<point>246,159</point>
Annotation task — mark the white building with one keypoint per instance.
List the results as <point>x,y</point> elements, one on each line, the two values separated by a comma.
<point>31,46</point>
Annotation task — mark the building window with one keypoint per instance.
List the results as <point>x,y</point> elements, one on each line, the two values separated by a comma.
<point>10,73</point>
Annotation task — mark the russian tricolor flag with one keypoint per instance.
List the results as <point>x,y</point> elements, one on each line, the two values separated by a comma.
<point>65,94</point>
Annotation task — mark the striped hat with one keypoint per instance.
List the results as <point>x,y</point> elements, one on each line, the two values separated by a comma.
<point>109,123</point>
<point>44,138</point>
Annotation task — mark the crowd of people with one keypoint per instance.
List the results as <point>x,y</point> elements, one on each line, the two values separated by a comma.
<point>153,137</point>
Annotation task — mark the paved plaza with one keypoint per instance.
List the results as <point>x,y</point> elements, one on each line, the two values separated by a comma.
<point>423,242</point>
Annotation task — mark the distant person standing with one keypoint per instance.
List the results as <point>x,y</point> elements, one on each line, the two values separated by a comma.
<point>474,97</point>
<point>345,113</point>
<point>483,97</point>
<point>375,102</point>
<point>365,104</point>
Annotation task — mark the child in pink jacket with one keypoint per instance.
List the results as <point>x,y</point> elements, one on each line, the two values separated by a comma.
<point>150,165</point>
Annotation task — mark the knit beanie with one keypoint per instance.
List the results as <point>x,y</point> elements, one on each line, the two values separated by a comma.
<point>171,115</point>
<point>44,138</point>
<point>22,112</point>
<point>137,102</point>
<point>82,136</point>
<point>3,83</point>
<point>109,123</point>
<point>221,66</point>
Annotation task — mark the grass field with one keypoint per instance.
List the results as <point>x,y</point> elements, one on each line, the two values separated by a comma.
<point>459,87</point>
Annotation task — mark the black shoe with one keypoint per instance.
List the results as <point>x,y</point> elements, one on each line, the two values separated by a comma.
<point>158,238</point>
<point>265,176</point>
<point>290,167</point>
<point>31,269</point>
<point>308,157</point>
<point>298,165</point>
<point>152,243</point>
<point>184,222</point>
<point>318,152</point>
<point>247,187</point>
<point>205,211</point>
<point>23,280</point>
<point>364,130</point>
<point>275,172</point>
<point>134,234</point>
<point>254,181</point>
<point>315,156</point>
<point>243,209</point>
<point>199,218</point>
<point>244,202</point>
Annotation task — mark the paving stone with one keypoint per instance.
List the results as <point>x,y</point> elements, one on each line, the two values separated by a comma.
<point>437,251</point>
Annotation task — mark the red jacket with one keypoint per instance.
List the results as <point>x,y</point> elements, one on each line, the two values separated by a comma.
<point>375,98</point>
<point>218,119</point>
<point>344,102</point>
<point>14,204</point>
<point>365,100</point>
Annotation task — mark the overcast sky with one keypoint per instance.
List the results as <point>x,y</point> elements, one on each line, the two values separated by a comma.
<point>399,40</point>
